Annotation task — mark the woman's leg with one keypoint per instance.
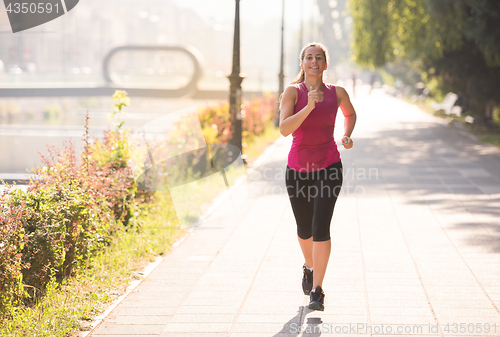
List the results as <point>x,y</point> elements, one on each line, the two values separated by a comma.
<point>316,254</point>
<point>307,251</point>
<point>321,255</point>
<point>328,189</point>
<point>297,184</point>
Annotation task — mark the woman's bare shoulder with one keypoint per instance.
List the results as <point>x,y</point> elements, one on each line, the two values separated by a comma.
<point>291,90</point>
<point>292,87</point>
<point>288,99</point>
<point>341,92</point>
<point>338,88</point>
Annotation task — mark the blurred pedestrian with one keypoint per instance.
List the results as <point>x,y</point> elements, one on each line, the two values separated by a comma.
<point>314,171</point>
<point>372,82</point>
<point>354,79</point>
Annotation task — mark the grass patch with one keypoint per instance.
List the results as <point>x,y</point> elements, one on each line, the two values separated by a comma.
<point>491,139</point>
<point>193,200</point>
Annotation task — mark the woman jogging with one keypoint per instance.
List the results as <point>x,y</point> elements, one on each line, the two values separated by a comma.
<point>314,170</point>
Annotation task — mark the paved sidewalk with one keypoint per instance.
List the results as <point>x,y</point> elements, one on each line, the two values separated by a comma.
<point>415,246</point>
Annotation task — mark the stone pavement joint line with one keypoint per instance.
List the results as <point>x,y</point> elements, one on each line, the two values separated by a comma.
<point>469,268</point>
<point>363,264</point>
<point>416,270</point>
<point>253,280</point>
<point>415,245</point>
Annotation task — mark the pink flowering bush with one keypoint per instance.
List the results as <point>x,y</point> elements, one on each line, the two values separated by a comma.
<point>257,113</point>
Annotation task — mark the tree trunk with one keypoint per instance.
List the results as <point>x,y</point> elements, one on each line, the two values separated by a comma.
<point>490,105</point>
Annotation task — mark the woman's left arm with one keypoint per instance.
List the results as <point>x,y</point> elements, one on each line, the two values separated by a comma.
<point>349,114</point>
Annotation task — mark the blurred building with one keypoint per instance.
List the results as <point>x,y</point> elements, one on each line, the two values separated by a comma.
<point>71,48</point>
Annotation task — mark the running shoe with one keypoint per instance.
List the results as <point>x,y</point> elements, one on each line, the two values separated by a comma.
<point>317,299</point>
<point>307,280</point>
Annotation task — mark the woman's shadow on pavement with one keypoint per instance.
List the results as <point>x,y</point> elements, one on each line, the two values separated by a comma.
<point>294,325</point>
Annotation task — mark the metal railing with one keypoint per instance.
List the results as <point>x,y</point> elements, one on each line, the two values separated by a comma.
<point>189,90</point>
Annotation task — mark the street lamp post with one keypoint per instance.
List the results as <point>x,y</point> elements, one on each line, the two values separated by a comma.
<point>235,79</point>
<point>281,75</point>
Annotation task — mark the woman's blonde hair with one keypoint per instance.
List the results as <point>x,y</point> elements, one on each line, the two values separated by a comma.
<point>301,76</point>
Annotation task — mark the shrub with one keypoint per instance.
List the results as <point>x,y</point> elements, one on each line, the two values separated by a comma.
<point>260,112</point>
<point>110,156</point>
<point>216,123</point>
<point>52,112</point>
<point>257,113</point>
<point>67,214</point>
<point>12,241</point>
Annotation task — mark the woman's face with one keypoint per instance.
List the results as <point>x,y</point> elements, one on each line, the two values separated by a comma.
<point>314,61</point>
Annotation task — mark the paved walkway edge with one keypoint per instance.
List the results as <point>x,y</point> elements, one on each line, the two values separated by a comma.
<point>132,285</point>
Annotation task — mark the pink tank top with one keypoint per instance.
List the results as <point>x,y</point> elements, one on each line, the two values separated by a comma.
<point>313,146</point>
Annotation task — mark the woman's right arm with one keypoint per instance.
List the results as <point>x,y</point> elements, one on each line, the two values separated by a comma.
<point>288,121</point>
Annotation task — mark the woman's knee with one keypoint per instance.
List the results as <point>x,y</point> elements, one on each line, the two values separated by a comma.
<point>304,235</point>
<point>321,235</point>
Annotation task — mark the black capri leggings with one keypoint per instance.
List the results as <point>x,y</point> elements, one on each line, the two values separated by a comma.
<point>313,196</point>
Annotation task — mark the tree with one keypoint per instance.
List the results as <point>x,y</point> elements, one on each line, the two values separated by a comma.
<point>452,41</point>
<point>335,38</point>
<point>482,25</point>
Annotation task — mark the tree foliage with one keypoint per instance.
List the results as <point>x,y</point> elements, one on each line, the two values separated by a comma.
<point>387,29</point>
<point>482,25</point>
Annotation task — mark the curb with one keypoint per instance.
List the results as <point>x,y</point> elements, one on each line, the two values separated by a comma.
<point>461,130</point>
<point>100,318</point>
<point>459,127</point>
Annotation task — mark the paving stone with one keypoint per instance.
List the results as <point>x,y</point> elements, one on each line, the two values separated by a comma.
<point>265,327</point>
<point>264,334</point>
<point>208,309</point>
<point>193,334</point>
<point>134,311</point>
<point>203,317</point>
<point>128,329</point>
<point>148,303</point>
<point>155,335</point>
<point>197,327</point>
<point>138,319</point>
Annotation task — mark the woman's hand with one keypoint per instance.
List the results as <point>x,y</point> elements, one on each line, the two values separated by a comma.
<point>312,97</point>
<point>347,142</point>
<point>349,114</point>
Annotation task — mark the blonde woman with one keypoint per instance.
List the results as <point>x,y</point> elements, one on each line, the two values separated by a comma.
<point>314,171</point>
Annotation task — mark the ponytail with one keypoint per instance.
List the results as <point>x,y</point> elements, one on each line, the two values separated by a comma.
<point>300,77</point>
